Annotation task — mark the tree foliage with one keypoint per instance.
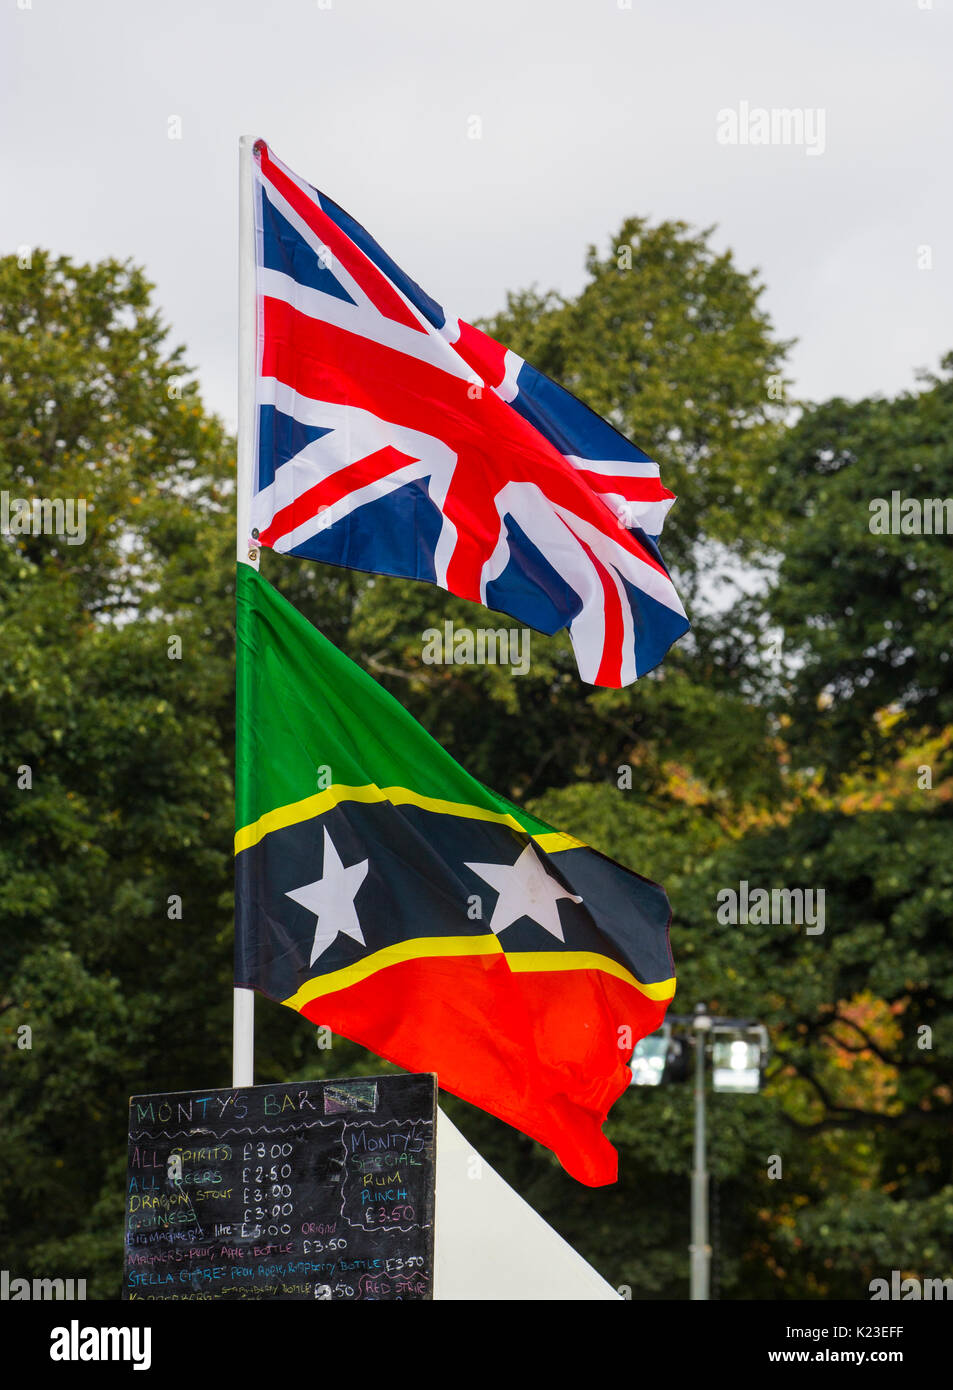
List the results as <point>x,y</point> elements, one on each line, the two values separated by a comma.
<point>830,768</point>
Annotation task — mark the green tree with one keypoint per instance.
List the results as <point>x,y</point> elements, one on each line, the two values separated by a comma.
<point>116,710</point>
<point>867,617</point>
<point>117,720</point>
<point>115,855</point>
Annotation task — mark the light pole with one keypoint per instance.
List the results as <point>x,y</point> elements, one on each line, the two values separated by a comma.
<point>739,1051</point>
<point>699,1249</point>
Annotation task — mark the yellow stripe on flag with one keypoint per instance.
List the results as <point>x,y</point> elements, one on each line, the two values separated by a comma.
<point>548,840</point>
<point>425,947</point>
<point>417,949</point>
<point>589,960</point>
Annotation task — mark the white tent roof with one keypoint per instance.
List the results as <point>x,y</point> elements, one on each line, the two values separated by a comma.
<point>490,1244</point>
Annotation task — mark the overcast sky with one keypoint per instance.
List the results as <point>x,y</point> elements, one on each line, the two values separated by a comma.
<point>590,111</point>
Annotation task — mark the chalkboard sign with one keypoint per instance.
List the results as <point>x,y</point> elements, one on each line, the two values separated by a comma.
<point>318,1189</point>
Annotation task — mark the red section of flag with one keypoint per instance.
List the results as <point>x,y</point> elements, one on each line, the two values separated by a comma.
<point>485,355</point>
<point>611,663</point>
<point>632,489</point>
<point>543,1050</point>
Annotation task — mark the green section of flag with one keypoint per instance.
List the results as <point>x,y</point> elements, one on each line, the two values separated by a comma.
<point>307,716</point>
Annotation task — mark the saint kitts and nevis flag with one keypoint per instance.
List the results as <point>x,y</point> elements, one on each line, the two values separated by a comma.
<point>381,890</point>
<point>385,893</point>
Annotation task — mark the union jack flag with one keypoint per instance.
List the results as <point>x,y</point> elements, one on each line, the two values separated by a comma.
<point>395,439</point>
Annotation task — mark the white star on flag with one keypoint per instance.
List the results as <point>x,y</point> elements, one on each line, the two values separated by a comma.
<point>331,899</point>
<point>525,890</point>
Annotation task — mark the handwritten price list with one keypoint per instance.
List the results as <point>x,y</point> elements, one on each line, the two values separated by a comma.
<point>320,1190</point>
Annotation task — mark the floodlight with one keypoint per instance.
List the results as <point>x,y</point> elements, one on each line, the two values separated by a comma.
<point>738,1054</point>
<point>650,1057</point>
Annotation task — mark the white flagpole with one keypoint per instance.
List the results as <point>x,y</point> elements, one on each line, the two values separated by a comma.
<point>243,1016</point>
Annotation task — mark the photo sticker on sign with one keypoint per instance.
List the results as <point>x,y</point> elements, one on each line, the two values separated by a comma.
<point>341,1098</point>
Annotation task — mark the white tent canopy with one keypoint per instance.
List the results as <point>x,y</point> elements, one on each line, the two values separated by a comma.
<point>490,1244</point>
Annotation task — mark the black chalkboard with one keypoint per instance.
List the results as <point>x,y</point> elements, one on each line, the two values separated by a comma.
<point>316,1189</point>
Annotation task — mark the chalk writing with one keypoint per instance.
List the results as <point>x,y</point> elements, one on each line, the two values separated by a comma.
<point>320,1191</point>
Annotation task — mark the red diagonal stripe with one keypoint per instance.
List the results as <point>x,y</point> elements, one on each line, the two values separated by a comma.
<point>610,666</point>
<point>332,489</point>
<point>635,489</point>
<point>376,286</point>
